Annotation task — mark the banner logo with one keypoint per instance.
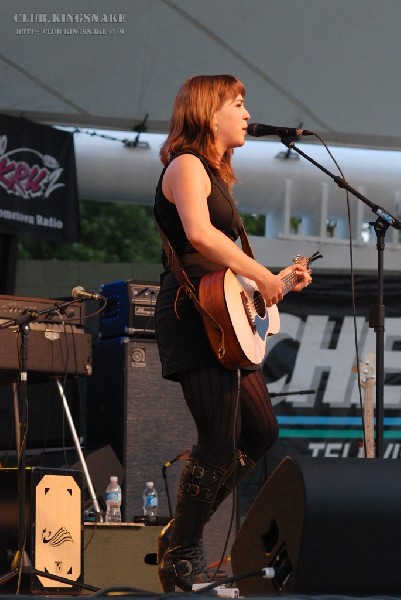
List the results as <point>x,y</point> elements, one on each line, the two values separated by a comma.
<point>28,180</point>
<point>38,181</point>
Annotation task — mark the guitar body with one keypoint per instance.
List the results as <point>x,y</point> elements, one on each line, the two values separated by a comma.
<point>241,321</point>
<point>238,307</point>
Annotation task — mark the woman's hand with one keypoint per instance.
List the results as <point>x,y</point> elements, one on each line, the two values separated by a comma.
<point>302,272</point>
<point>270,286</point>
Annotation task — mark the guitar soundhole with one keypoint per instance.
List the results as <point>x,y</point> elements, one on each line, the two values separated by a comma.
<point>259,304</point>
<point>245,304</point>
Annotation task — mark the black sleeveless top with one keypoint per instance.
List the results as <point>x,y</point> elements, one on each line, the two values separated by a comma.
<point>182,341</point>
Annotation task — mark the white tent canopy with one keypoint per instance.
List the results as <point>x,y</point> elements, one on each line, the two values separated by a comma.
<point>331,65</point>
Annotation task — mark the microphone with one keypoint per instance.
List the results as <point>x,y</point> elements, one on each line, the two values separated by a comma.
<point>259,130</point>
<point>78,293</point>
<point>180,456</point>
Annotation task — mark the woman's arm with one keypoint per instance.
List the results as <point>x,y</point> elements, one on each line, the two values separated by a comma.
<point>188,186</point>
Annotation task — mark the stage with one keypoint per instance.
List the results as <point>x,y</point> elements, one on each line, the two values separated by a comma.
<point>123,592</point>
<point>116,562</point>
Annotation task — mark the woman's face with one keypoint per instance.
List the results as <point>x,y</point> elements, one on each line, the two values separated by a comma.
<point>231,121</point>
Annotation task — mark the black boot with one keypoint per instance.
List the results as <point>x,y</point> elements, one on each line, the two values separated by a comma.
<point>183,564</point>
<point>232,475</point>
<point>163,542</point>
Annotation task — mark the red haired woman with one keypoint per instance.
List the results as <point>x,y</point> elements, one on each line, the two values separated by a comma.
<point>231,408</point>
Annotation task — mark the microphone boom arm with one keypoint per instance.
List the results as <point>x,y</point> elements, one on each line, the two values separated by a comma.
<point>376,209</point>
<point>377,311</point>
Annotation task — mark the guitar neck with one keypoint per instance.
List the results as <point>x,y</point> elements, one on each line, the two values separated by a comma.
<point>290,281</point>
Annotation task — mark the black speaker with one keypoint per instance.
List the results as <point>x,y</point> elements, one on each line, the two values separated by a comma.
<point>325,526</point>
<point>54,536</point>
<point>147,422</point>
<point>143,417</point>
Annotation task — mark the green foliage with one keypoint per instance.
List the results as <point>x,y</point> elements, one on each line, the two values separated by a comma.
<point>110,232</point>
<point>254,224</point>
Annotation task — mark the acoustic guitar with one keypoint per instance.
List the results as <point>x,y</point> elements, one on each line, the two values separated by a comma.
<point>244,322</point>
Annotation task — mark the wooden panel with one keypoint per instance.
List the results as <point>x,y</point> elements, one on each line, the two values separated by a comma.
<point>61,556</point>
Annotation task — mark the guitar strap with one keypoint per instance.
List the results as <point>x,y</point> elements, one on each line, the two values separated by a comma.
<point>182,278</point>
<point>245,242</point>
<point>246,247</point>
<point>187,287</point>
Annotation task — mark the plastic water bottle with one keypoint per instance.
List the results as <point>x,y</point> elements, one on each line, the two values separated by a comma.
<point>150,503</point>
<point>113,501</point>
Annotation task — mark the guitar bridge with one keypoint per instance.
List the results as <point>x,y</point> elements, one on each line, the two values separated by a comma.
<point>245,304</point>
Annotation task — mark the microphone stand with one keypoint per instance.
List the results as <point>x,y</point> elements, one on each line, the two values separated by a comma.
<point>21,563</point>
<point>377,312</point>
<point>164,474</point>
<point>294,393</point>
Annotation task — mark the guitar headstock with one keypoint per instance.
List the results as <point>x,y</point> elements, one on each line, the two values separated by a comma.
<point>368,371</point>
<point>306,261</point>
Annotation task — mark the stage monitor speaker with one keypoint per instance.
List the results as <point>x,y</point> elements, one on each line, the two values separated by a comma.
<point>326,526</point>
<point>54,528</point>
<point>147,422</point>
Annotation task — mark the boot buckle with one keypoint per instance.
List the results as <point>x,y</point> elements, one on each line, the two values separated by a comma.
<point>182,568</point>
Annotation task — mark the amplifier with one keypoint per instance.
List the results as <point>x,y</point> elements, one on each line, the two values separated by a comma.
<point>52,348</point>
<point>130,308</point>
<point>12,307</point>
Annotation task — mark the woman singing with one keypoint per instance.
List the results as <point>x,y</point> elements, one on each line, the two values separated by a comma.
<point>231,408</point>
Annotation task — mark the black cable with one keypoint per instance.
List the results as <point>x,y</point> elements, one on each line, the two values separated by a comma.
<point>352,275</point>
<point>233,579</point>
<point>127,591</point>
<point>339,182</point>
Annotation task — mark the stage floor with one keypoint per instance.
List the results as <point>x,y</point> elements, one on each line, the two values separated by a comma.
<point>116,563</point>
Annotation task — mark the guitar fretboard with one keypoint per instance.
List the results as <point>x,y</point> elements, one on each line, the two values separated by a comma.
<point>290,281</point>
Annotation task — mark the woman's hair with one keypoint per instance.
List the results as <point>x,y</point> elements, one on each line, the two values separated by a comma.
<point>192,121</point>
